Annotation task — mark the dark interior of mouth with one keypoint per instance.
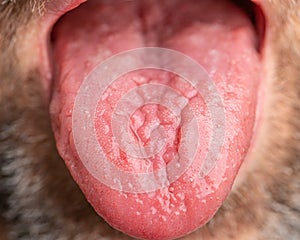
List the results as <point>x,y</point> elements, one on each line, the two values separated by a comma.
<point>224,38</point>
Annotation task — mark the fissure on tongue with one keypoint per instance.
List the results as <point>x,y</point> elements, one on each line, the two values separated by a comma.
<point>215,34</point>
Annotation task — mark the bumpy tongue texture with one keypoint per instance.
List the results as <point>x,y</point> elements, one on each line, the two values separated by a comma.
<point>214,33</point>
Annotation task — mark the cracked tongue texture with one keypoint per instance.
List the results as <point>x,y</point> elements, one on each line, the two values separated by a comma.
<point>214,33</point>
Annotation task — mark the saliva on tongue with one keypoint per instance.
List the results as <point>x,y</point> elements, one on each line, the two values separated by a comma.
<point>140,136</point>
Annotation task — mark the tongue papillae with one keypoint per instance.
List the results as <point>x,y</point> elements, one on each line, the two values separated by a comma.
<point>215,34</point>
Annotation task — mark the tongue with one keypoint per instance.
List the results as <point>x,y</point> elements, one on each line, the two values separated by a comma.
<point>126,166</point>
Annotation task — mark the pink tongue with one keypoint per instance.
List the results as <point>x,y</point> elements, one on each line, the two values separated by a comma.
<point>214,33</point>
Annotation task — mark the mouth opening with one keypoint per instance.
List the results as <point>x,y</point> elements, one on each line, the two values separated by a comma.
<point>251,9</point>
<point>225,37</point>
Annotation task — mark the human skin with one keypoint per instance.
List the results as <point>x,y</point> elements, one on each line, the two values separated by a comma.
<point>264,200</point>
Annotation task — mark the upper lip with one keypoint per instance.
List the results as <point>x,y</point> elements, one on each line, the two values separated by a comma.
<point>57,8</point>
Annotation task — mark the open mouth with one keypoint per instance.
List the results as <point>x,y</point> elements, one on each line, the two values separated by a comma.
<point>224,37</point>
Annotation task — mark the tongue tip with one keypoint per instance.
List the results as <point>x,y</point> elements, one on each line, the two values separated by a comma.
<point>163,226</point>
<point>158,215</point>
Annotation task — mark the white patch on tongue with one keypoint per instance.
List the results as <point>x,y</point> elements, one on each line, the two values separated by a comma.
<point>217,36</point>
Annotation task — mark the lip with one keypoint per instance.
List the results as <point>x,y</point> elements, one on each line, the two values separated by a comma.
<point>53,10</point>
<point>59,8</point>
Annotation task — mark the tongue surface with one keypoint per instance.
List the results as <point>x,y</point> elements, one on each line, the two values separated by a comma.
<point>215,34</point>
